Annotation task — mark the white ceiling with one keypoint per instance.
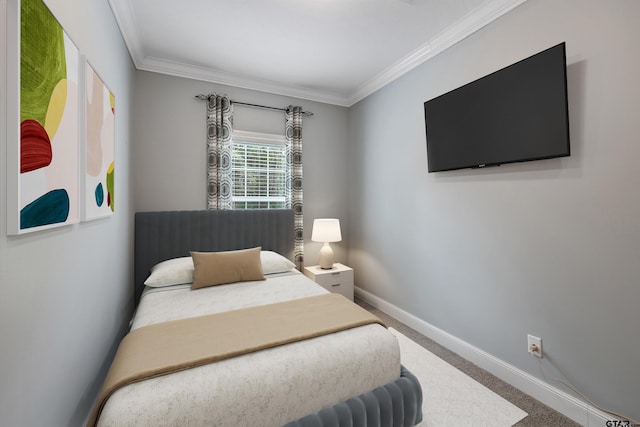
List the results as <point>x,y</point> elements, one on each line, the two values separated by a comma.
<point>333,51</point>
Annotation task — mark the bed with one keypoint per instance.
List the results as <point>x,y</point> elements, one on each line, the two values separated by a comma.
<point>349,376</point>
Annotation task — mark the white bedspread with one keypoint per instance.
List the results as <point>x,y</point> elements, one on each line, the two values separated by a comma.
<point>267,388</point>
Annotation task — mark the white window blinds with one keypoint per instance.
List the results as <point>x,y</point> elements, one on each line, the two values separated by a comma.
<point>258,167</point>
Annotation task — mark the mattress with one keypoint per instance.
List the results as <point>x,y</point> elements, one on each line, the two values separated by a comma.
<point>267,388</point>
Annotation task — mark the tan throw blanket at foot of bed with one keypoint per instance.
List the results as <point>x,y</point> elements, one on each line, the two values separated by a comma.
<point>173,346</point>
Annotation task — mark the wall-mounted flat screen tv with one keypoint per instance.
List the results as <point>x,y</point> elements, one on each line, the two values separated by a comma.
<point>516,114</point>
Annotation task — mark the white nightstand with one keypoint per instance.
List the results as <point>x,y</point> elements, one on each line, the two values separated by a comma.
<point>339,279</point>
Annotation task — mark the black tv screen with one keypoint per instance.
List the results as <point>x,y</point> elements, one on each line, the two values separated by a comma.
<point>515,114</point>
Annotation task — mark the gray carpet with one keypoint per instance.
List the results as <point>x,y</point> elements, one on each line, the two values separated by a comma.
<point>539,414</point>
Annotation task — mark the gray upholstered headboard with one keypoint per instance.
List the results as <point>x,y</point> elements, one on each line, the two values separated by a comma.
<point>164,235</point>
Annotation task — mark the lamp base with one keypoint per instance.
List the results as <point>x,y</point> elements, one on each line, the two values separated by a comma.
<point>326,257</point>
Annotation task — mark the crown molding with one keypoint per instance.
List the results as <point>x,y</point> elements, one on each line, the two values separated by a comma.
<point>471,23</point>
<point>179,69</point>
<point>125,17</point>
<point>487,13</point>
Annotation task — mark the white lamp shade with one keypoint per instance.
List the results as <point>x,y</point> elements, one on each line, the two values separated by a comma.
<point>326,230</point>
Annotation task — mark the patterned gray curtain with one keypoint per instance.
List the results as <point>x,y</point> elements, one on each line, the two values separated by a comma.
<point>293,134</point>
<point>219,125</point>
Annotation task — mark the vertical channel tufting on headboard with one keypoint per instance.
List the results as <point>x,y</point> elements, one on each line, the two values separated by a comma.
<point>169,234</point>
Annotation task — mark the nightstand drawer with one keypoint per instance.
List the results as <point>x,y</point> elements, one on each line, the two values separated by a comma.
<point>339,279</point>
<point>330,279</point>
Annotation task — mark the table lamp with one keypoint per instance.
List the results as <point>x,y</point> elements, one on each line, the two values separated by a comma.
<point>326,230</point>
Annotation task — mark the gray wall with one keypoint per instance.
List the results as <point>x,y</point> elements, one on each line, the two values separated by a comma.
<point>66,292</point>
<point>169,153</point>
<point>549,247</point>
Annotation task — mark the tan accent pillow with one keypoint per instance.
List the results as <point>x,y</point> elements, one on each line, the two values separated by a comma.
<point>218,268</point>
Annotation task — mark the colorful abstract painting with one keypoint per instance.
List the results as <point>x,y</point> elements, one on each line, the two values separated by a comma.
<point>99,147</point>
<point>47,184</point>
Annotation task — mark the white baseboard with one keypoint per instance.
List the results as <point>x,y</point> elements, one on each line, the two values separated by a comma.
<point>571,407</point>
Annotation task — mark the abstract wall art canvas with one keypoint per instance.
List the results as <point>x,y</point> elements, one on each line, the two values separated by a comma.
<point>99,147</point>
<point>43,121</point>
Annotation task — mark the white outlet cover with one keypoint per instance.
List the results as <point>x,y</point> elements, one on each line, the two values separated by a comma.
<point>531,339</point>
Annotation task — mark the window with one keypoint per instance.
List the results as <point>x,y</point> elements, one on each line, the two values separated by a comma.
<point>258,168</point>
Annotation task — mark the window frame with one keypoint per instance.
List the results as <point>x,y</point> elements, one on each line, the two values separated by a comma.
<point>257,138</point>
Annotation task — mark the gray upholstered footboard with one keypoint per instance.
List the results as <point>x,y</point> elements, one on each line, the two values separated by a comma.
<point>392,405</point>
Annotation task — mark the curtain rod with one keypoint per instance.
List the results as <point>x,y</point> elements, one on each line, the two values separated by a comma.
<point>202,97</point>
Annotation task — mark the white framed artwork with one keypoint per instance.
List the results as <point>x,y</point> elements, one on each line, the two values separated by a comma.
<point>43,120</point>
<point>98,148</point>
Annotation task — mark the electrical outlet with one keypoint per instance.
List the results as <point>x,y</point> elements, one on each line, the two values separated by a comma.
<point>531,340</point>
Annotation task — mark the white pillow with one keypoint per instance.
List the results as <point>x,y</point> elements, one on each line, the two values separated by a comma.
<point>179,271</point>
<point>176,271</point>
<point>273,262</point>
